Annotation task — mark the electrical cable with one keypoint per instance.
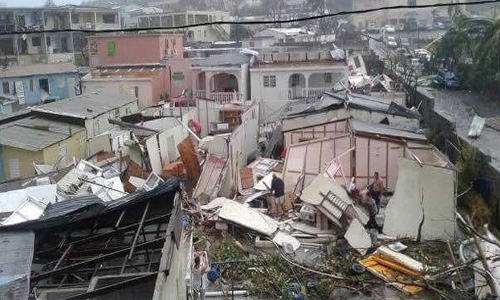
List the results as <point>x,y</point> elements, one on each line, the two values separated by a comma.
<point>293,20</point>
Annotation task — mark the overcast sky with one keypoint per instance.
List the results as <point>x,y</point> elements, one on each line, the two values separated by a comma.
<point>35,2</point>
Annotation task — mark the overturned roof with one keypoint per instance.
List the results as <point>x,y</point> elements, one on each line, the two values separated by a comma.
<point>86,106</point>
<point>38,69</point>
<point>370,103</point>
<point>382,129</point>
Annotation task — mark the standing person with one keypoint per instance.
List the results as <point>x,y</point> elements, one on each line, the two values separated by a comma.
<point>199,269</point>
<point>278,189</point>
<point>370,203</point>
<point>377,188</point>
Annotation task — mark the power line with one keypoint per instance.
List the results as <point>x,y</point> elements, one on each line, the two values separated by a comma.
<point>311,18</point>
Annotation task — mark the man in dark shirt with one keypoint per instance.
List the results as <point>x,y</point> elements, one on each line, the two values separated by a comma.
<point>278,189</point>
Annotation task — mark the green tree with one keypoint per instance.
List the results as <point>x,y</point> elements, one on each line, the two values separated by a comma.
<point>472,45</point>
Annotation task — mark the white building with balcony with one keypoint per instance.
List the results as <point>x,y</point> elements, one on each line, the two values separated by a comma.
<point>277,79</point>
<point>223,78</point>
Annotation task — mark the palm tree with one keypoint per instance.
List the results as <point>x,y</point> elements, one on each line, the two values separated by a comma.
<point>473,46</point>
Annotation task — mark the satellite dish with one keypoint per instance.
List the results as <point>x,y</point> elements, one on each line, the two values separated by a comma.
<point>24,36</point>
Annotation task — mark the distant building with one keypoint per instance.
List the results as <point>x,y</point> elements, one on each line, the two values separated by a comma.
<point>400,17</point>
<point>272,36</point>
<point>150,66</point>
<point>207,34</point>
<point>38,140</point>
<point>35,83</point>
<point>277,79</point>
<point>91,111</point>
<point>55,46</point>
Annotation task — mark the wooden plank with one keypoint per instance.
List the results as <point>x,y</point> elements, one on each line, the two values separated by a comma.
<point>189,158</point>
<point>246,175</point>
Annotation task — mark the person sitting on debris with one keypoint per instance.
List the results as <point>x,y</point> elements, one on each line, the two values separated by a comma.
<point>377,188</point>
<point>199,286</point>
<point>370,204</point>
<point>195,126</point>
<point>278,189</point>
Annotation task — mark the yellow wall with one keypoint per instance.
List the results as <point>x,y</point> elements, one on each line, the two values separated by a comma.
<point>76,147</point>
<point>25,158</point>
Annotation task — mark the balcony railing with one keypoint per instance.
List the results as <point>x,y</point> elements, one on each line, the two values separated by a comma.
<point>219,97</point>
<point>199,94</point>
<point>296,93</point>
<point>225,97</point>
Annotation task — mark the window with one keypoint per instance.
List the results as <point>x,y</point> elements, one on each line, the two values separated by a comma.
<point>21,20</point>
<point>63,152</point>
<point>44,85</point>
<point>36,41</point>
<point>48,41</point>
<point>295,80</point>
<point>190,19</point>
<point>154,22</point>
<point>116,113</point>
<point>328,77</point>
<point>6,87</point>
<point>109,18</point>
<point>111,48</point>
<point>75,19</point>
<point>269,81</point>
<point>14,169</point>
<point>412,2</point>
<point>136,91</point>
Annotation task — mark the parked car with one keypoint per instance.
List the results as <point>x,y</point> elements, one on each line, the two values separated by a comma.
<point>439,25</point>
<point>422,54</point>
<point>391,42</point>
<point>447,79</point>
<point>429,26</point>
<point>389,29</point>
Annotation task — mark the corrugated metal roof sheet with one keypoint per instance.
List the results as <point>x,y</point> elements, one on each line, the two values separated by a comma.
<point>38,69</point>
<point>35,134</point>
<point>86,106</point>
<point>372,128</point>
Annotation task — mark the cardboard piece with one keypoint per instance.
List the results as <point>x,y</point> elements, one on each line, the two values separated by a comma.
<point>189,158</point>
<point>246,176</point>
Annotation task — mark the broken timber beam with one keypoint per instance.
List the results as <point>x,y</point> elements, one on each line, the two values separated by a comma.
<point>67,269</point>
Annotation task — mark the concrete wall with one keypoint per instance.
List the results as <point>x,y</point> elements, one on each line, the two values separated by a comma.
<point>151,47</point>
<point>23,157</point>
<point>272,99</point>
<point>444,136</point>
<point>61,86</point>
<point>76,147</point>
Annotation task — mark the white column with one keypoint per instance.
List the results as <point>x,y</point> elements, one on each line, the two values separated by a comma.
<point>243,85</point>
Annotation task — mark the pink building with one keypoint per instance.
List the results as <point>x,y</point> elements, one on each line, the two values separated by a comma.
<point>149,65</point>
